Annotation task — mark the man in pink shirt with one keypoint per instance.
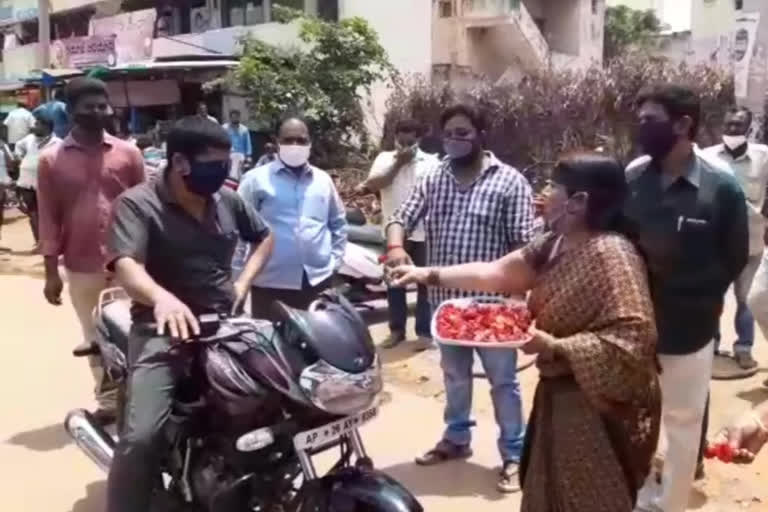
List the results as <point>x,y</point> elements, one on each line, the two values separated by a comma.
<point>78,180</point>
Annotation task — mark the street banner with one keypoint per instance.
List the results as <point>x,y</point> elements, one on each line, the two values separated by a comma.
<point>742,50</point>
<point>83,52</point>
<point>133,31</point>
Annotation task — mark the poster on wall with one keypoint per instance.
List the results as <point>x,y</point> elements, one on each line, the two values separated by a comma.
<point>742,49</point>
<point>133,31</point>
<point>83,52</point>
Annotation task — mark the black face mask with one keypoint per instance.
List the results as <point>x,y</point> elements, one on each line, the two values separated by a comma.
<point>90,122</point>
<point>657,138</point>
<point>206,178</point>
<point>462,152</point>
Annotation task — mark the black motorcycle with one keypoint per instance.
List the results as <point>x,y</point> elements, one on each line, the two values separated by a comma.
<point>259,400</point>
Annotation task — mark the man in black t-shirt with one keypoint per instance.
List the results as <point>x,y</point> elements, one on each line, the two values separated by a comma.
<point>171,244</point>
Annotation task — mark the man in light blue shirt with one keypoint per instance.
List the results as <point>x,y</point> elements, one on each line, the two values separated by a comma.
<point>302,207</point>
<point>240,137</point>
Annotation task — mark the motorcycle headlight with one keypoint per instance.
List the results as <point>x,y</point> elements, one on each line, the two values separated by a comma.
<point>338,392</point>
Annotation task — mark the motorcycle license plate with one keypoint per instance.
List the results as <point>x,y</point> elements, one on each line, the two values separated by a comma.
<point>329,433</point>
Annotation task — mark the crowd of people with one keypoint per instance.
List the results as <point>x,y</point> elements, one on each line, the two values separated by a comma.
<point>626,282</point>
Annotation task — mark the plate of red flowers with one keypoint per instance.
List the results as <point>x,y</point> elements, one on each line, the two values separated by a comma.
<point>485,322</point>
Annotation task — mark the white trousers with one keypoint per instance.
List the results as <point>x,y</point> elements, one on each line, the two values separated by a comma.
<point>757,299</point>
<point>684,388</point>
<point>84,290</point>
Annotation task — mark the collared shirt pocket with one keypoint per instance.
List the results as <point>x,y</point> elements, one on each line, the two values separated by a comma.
<point>485,206</point>
<point>696,235</point>
<point>753,187</point>
<point>315,207</point>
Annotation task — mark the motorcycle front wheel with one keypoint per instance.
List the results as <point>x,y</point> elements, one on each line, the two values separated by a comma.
<point>356,490</point>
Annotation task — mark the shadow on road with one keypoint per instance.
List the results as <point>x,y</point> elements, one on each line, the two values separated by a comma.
<point>755,396</point>
<point>94,499</point>
<point>44,439</point>
<point>13,218</point>
<point>460,478</point>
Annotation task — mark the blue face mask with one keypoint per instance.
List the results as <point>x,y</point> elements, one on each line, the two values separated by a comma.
<point>206,178</point>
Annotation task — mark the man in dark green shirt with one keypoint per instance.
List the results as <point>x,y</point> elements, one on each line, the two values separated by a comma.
<point>690,219</point>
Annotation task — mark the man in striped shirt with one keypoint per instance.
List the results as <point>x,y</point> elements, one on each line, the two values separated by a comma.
<point>474,208</point>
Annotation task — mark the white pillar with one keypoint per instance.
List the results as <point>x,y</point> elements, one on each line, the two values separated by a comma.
<point>44,33</point>
<point>310,7</point>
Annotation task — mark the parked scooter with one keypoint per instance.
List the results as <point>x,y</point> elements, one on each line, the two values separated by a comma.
<point>361,274</point>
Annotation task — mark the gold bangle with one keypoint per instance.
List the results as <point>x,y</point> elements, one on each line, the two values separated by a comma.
<point>433,277</point>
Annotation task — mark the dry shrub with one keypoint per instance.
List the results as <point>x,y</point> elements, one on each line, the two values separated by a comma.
<point>547,114</point>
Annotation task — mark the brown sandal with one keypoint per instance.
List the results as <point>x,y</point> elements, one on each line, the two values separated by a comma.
<point>443,452</point>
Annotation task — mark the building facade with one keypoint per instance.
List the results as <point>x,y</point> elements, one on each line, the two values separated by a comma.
<point>87,33</point>
<point>511,37</point>
<point>432,38</point>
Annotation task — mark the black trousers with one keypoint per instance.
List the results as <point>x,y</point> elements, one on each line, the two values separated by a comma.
<point>262,298</point>
<point>28,197</point>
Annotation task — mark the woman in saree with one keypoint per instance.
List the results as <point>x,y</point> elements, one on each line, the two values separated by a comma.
<point>595,419</point>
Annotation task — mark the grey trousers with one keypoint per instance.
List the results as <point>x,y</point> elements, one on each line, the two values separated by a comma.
<point>154,373</point>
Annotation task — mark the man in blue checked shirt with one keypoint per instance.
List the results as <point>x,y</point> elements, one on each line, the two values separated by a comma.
<point>302,207</point>
<point>474,208</point>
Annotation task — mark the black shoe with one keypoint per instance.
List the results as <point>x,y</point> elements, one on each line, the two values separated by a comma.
<point>104,417</point>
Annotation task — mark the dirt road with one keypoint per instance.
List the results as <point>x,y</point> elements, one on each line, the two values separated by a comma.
<point>41,471</point>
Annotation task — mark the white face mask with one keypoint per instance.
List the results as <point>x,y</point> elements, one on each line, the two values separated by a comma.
<point>294,155</point>
<point>734,141</point>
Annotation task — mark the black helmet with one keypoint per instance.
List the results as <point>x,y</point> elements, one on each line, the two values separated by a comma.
<point>333,330</point>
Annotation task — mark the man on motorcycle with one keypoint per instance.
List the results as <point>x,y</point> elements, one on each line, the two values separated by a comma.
<point>170,245</point>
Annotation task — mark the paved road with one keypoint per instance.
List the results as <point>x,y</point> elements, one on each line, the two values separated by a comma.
<point>41,471</point>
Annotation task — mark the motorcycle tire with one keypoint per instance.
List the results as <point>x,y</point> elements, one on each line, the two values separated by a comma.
<point>167,502</point>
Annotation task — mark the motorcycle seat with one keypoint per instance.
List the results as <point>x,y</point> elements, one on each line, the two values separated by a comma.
<point>368,235</point>
<point>116,317</point>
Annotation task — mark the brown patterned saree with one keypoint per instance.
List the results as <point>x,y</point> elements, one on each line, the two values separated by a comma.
<point>595,419</point>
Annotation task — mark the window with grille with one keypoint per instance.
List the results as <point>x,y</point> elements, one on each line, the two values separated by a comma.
<point>446,8</point>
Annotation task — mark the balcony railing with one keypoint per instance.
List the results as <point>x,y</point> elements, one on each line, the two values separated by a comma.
<point>489,8</point>
<point>530,43</point>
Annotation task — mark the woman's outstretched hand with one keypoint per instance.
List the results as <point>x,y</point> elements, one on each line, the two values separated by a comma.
<point>403,275</point>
